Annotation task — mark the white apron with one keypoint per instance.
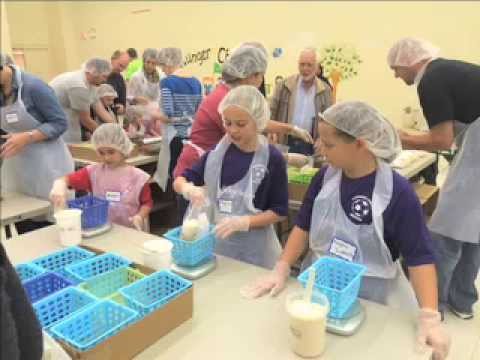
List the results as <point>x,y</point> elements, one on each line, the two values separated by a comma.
<point>457,214</point>
<point>257,246</point>
<point>33,170</point>
<point>333,233</point>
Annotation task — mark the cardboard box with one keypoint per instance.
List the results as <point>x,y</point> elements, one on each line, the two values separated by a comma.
<point>134,339</point>
<point>428,195</point>
<point>86,151</point>
<point>297,192</point>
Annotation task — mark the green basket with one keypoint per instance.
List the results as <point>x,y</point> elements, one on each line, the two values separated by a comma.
<point>299,176</point>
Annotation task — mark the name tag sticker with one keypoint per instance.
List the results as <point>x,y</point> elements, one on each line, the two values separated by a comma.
<point>11,118</point>
<point>112,196</point>
<point>343,249</point>
<point>225,206</point>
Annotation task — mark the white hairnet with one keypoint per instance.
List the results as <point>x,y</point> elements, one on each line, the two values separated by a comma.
<point>134,111</point>
<point>97,66</point>
<point>244,62</point>
<point>149,54</point>
<point>170,56</point>
<point>362,121</point>
<point>113,136</point>
<point>410,51</point>
<point>5,59</point>
<point>249,99</point>
<point>106,90</point>
<point>257,45</point>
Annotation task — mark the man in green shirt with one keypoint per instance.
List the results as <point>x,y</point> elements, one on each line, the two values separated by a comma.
<point>134,65</point>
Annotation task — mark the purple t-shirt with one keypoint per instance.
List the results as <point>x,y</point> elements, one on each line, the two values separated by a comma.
<point>405,231</point>
<point>272,193</point>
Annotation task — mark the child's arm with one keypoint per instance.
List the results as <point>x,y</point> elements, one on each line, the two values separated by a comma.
<point>296,244</point>
<point>78,180</point>
<point>424,283</point>
<point>146,205</point>
<point>232,224</point>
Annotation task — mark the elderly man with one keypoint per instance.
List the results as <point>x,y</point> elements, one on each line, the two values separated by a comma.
<point>300,98</point>
<point>449,95</point>
<point>120,61</point>
<point>76,92</point>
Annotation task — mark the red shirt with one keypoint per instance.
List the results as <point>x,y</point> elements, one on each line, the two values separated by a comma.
<point>80,180</point>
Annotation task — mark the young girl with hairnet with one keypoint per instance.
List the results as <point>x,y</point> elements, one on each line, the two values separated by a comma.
<point>245,180</point>
<point>124,186</point>
<point>360,210</point>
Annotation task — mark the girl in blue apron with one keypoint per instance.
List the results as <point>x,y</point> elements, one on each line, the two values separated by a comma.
<point>358,209</point>
<point>245,180</point>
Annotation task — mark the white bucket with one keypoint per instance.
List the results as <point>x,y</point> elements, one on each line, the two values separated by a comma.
<point>69,224</point>
<point>157,254</point>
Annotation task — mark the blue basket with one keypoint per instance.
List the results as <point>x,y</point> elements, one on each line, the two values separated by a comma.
<point>97,265</point>
<point>339,280</point>
<point>45,284</point>
<point>154,291</point>
<point>60,305</point>
<point>191,253</point>
<point>94,210</point>
<point>94,324</point>
<point>27,271</point>
<point>57,261</point>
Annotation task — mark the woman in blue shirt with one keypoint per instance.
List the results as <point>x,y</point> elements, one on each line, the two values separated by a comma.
<point>32,121</point>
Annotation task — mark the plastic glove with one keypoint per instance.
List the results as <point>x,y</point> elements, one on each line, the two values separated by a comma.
<point>274,282</point>
<point>430,333</point>
<point>230,225</point>
<point>302,134</point>
<point>58,194</point>
<point>137,221</point>
<point>297,160</point>
<point>195,194</point>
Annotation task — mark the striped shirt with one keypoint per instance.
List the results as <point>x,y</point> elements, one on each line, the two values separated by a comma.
<point>181,97</point>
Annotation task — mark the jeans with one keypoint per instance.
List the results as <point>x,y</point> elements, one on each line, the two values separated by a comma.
<point>299,146</point>
<point>457,267</point>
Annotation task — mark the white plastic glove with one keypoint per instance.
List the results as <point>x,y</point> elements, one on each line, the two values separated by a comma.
<point>195,194</point>
<point>302,134</point>
<point>137,221</point>
<point>430,333</point>
<point>230,225</point>
<point>273,283</point>
<point>297,160</point>
<point>58,194</point>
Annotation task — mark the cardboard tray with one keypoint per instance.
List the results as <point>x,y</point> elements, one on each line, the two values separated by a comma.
<point>137,337</point>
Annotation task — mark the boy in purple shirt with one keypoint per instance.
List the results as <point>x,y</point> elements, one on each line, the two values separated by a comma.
<point>245,180</point>
<point>358,209</point>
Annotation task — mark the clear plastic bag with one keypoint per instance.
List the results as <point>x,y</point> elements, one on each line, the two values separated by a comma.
<point>196,222</point>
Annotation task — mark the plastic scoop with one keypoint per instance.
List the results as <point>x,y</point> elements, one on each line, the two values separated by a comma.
<point>307,296</point>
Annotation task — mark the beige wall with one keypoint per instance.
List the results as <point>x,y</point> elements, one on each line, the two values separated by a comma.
<point>371,26</point>
<point>6,46</point>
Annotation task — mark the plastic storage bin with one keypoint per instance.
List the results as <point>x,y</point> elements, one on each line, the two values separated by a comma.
<point>94,324</point>
<point>60,305</point>
<point>107,285</point>
<point>45,284</point>
<point>94,210</point>
<point>57,261</point>
<point>191,253</point>
<point>27,271</point>
<point>154,291</point>
<point>97,265</point>
<point>339,280</point>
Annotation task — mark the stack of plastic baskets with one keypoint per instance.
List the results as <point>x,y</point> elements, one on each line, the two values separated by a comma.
<point>60,305</point>
<point>107,285</point>
<point>58,260</point>
<point>94,324</point>
<point>94,211</point>
<point>154,291</point>
<point>45,284</point>
<point>191,253</point>
<point>339,280</point>
<point>27,271</point>
<point>97,265</point>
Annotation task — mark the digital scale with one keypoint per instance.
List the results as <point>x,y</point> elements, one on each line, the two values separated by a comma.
<point>350,324</point>
<point>88,233</point>
<point>195,272</point>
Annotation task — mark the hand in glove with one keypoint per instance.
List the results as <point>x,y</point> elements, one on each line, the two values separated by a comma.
<point>230,225</point>
<point>195,194</point>
<point>274,282</point>
<point>58,194</point>
<point>137,221</point>
<point>430,333</point>
<point>302,134</point>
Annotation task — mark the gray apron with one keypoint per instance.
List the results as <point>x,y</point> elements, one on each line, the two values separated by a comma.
<point>33,170</point>
<point>257,246</point>
<point>457,214</point>
<point>332,233</point>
